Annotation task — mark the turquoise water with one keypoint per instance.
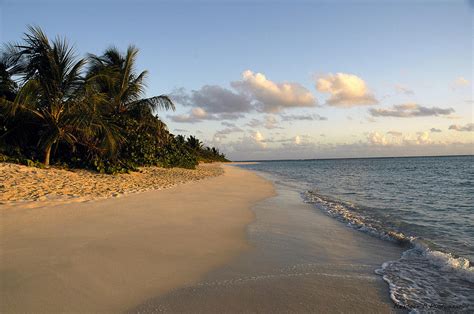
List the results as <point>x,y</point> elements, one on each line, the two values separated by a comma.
<point>423,203</point>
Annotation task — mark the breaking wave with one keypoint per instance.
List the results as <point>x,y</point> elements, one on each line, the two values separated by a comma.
<point>424,279</point>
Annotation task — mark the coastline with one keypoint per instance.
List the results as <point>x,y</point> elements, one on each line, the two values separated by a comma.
<point>109,255</point>
<point>300,261</point>
<point>233,237</point>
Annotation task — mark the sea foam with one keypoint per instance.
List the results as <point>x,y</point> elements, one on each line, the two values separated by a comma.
<point>423,279</point>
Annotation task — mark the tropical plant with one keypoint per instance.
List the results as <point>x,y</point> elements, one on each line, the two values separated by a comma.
<point>50,81</point>
<point>115,76</point>
<point>89,112</point>
<point>194,143</point>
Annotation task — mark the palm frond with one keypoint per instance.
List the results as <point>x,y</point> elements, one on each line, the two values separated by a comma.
<point>161,102</point>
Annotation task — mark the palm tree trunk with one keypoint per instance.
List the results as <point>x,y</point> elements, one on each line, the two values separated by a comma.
<point>47,154</point>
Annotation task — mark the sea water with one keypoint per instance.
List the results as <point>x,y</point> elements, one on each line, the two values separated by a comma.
<point>425,204</point>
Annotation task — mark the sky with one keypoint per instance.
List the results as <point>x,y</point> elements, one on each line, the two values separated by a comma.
<point>289,79</point>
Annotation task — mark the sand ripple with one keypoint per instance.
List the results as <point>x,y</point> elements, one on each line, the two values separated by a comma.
<point>34,187</point>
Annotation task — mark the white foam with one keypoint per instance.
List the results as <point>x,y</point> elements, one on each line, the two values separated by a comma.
<point>423,279</point>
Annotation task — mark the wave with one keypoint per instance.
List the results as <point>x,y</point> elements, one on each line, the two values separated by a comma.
<point>424,279</point>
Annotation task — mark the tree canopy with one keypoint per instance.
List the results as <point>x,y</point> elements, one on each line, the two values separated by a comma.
<point>85,112</point>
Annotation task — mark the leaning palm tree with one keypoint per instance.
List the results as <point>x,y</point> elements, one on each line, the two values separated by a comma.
<point>115,75</point>
<point>50,79</point>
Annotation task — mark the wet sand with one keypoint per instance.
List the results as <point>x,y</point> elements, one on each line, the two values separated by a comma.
<point>109,255</point>
<point>301,261</point>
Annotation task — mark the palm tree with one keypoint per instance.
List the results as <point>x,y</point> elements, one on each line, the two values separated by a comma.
<point>180,139</point>
<point>49,87</point>
<point>8,86</point>
<point>114,75</point>
<point>194,143</point>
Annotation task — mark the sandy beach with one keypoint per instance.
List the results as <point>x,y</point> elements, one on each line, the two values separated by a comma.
<point>229,243</point>
<point>300,261</point>
<point>110,255</point>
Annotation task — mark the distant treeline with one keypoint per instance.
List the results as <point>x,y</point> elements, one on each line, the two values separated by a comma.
<point>56,108</point>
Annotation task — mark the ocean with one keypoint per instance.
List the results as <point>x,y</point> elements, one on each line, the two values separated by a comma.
<point>425,204</point>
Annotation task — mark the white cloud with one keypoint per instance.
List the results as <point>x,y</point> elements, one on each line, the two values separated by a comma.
<point>376,138</point>
<point>346,90</point>
<point>271,96</point>
<point>460,82</point>
<point>198,114</point>
<point>297,140</point>
<point>257,136</point>
<point>423,138</point>
<point>418,144</point>
<point>398,139</point>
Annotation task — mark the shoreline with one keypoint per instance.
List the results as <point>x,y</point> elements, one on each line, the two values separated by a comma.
<point>109,255</point>
<point>301,260</point>
<point>233,237</point>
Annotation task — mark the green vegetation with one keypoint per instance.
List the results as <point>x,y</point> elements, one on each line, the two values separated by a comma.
<point>86,113</point>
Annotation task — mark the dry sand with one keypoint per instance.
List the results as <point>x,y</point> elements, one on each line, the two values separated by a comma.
<point>110,255</point>
<point>33,187</point>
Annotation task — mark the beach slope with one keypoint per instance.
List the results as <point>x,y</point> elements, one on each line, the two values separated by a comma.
<point>109,255</point>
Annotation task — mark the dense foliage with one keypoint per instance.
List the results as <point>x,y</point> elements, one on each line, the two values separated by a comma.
<point>88,113</point>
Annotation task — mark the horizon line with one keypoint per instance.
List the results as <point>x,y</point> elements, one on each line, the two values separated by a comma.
<point>344,158</point>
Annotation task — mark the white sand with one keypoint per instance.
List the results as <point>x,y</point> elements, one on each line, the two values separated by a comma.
<point>33,187</point>
<point>110,255</point>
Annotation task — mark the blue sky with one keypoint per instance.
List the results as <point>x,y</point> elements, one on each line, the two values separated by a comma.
<point>416,54</point>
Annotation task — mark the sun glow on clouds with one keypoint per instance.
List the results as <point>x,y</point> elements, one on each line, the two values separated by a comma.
<point>297,140</point>
<point>287,110</point>
<point>272,96</point>
<point>346,90</point>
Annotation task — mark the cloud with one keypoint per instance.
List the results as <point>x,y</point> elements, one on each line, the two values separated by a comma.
<point>271,96</point>
<point>375,138</point>
<point>395,133</point>
<point>460,82</point>
<point>213,99</point>
<point>453,117</point>
<point>347,90</point>
<point>222,134</point>
<point>297,140</point>
<point>228,124</point>
<point>410,110</point>
<point>466,128</point>
<point>257,136</point>
<point>435,130</point>
<point>423,138</point>
<point>269,122</point>
<point>375,145</point>
<point>398,139</point>
<point>302,117</point>
<point>181,130</point>
<point>198,114</point>
<point>404,90</point>
<point>229,131</point>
